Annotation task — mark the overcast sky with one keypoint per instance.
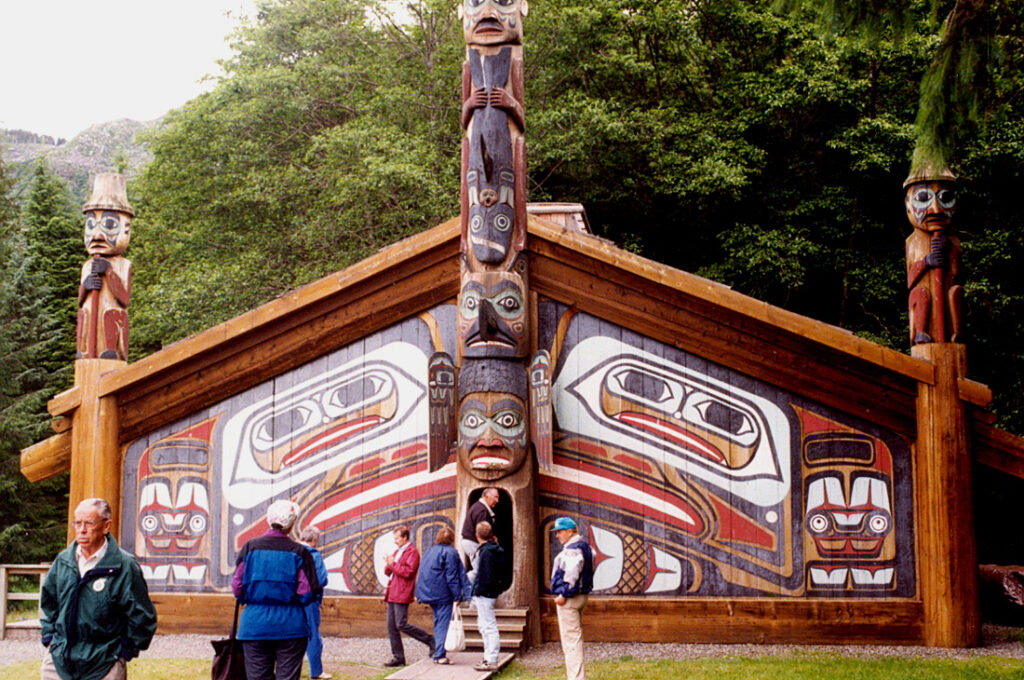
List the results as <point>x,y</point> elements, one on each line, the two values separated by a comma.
<point>68,64</point>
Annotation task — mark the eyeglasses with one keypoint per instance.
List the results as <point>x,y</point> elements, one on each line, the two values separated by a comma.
<point>86,523</point>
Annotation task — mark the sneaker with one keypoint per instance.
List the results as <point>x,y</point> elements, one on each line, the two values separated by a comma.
<point>485,666</point>
<point>322,676</point>
<point>394,663</point>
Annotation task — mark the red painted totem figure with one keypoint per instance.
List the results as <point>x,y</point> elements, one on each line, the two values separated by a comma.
<point>933,258</point>
<point>107,276</point>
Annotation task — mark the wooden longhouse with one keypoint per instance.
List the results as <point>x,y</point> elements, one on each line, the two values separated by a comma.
<point>744,473</point>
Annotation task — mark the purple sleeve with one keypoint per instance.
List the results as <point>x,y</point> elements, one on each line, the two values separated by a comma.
<point>236,580</point>
<point>303,587</point>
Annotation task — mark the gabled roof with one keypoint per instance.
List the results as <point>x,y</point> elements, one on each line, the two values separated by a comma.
<point>798,354</point>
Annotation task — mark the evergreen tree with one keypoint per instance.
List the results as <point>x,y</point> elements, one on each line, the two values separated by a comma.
<point>53,236</point>
<point>33,524</point>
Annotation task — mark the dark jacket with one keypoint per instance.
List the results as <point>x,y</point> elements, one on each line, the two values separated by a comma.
<point>275,578</point>
<point>478,512</point>
<point>492,577</point>
<point>442,578</point>
<point>403,576</point>
<point>90,621</point>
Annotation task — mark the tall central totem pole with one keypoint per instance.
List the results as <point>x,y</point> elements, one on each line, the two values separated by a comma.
<point>491,404</point>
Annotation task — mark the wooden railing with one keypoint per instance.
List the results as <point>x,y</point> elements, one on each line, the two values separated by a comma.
<point>6,570</point>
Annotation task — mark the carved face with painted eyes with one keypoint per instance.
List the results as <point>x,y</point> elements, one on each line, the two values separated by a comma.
<point>492,315</point>
<point>493,22</point>
<point>930,205</point>
<point>492,434</point>
<point>107,232</point>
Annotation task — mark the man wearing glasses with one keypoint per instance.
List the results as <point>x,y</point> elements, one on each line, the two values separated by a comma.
<point>96,611</point>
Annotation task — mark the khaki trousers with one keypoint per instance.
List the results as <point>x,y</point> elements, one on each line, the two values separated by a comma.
<point>570,629</point>
<point>119,671</point>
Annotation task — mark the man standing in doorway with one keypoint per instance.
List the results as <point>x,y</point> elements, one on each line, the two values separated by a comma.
<point>96,611</point>
<point>401,567</point>
<point>572,579</point>
<point>491,581</point>
<point>481,511</point>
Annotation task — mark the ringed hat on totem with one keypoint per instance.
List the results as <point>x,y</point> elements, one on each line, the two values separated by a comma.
<point>565,523</point>
<point>109,192</point>
<point>929,173</point>
<point>283,513</point>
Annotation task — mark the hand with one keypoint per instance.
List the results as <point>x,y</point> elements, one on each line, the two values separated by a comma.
<point>560,600</point>
<point>100,266</point>
<point>92,282</point>
<point>389,560</point>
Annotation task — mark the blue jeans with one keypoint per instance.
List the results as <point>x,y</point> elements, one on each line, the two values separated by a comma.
<point>487,624</point>
<point>442,617</point>
<point>315,646</point>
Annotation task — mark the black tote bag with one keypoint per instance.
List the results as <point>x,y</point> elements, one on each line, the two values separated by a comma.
<point>228,658</point>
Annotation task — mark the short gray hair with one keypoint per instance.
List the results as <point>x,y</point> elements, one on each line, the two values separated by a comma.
<point>310,535</point>
<point>101,506</point>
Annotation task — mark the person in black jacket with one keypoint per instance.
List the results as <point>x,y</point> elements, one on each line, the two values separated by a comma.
<point>481,511</point>
<point>491,581</point>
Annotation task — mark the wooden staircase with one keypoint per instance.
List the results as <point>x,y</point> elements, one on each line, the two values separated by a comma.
<point>511,628</point>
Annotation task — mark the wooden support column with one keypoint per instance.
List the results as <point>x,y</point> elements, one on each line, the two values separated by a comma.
<point>948,551</point>
<point>95,452</point>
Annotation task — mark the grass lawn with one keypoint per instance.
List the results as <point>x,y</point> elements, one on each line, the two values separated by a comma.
<point>798,666</point>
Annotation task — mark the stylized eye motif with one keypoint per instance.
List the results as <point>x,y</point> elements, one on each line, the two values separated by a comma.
<point>721,416</point>
<point>354,392</point>
<point>110,224</point>
<point>90,224</point>
<point>947,199</point>
<point>509,304</point>
<point>474,3</point>
<point>470,301</point>
<point>646,386</point>
<point>149,523</point>
<point>818,523</point>
<point>878,523</point>
<point>502,222</point>
<point>197,524</point>
<point>280,426</point>
<point>476,223</point>
<point>508,419</point>
<point>472,420</point>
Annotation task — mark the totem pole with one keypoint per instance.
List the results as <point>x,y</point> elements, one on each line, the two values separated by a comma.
<point>933,258</point>
<point>490,389</point>
<point>106,276</point>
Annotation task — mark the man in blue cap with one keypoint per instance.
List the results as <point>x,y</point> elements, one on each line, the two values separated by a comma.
<point>572,579</point>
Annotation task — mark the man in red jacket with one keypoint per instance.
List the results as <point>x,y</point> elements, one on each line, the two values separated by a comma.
<point>401,567</point>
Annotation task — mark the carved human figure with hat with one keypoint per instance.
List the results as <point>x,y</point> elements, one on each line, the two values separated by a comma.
<point>933,257</point>
<point>107,275</point>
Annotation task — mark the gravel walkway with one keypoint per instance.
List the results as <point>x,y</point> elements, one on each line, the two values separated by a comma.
<point>997,641</point>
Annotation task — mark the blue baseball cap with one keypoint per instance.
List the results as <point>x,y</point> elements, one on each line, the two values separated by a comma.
<point>564,523</point>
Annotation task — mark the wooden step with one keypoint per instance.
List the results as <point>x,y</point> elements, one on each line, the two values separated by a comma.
<point>511,627</point>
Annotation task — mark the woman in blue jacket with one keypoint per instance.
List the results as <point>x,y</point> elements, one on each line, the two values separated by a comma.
<point>442,584</point>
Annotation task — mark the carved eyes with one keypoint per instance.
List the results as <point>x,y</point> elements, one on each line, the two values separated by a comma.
<point>476,223</point>
<point>923,197</point>
<point>506,423</point>
<point>508,304</point>
<point>502,222</point>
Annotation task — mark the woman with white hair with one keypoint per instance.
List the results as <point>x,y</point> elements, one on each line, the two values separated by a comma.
<point>275,578</point>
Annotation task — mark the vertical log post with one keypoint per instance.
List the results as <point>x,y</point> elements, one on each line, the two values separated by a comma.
<point>95,452</point>
<point>948,550</point>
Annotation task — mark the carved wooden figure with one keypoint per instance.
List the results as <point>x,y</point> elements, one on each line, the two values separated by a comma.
<point>107,276</point>
<point>493,150</point>
<point>933,259</point>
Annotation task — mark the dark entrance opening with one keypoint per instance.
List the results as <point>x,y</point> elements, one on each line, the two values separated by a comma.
<point>504,523</point>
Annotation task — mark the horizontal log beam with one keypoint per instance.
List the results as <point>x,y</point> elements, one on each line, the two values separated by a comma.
<point>48,458</point>
<point>731,621</point>
<point>997,448</point>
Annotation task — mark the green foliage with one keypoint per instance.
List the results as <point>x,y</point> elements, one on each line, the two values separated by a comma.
<point>33,527</point>
<point>54,245</point>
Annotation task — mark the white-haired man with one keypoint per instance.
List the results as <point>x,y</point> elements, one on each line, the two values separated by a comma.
<point>96,611</point>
